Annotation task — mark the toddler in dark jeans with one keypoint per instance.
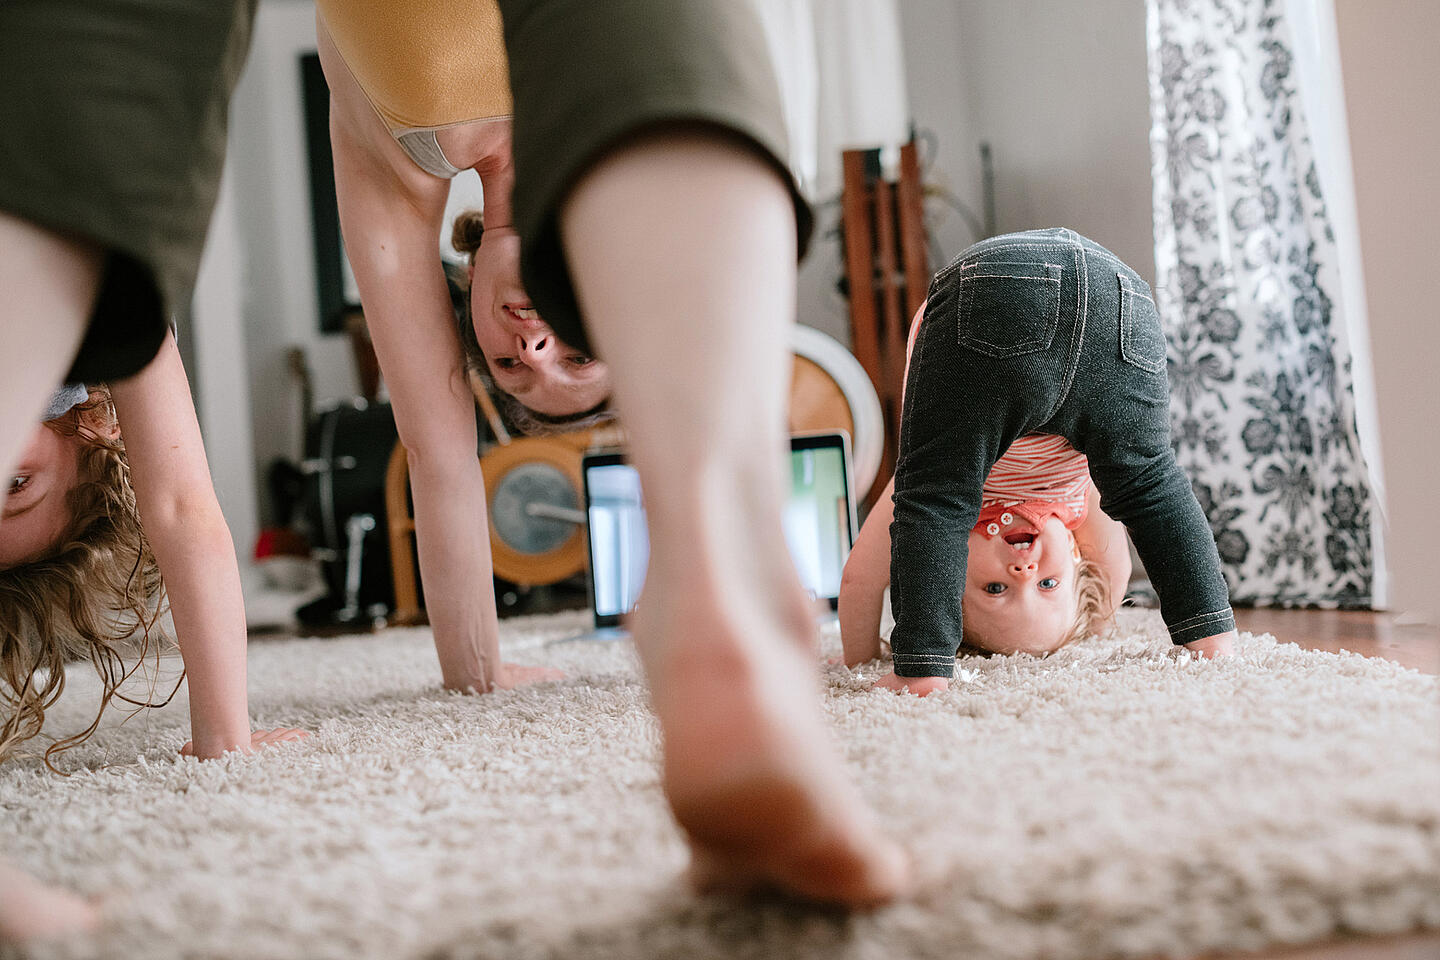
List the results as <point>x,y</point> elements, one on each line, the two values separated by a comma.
<point>1039,333</point>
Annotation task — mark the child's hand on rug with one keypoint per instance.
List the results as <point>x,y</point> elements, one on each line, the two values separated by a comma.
<point>512,675</point>
<point>258,739</point>
<point>1220,645</point>
<point>920,686</point>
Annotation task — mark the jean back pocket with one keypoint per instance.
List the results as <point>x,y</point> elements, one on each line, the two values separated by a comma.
<point>1008,308</point>
<point>1142,342</point>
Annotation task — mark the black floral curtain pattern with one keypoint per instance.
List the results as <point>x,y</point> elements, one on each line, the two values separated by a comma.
<point>1262,405</point>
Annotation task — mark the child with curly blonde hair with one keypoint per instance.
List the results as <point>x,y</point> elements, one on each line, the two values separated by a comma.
<point>109,521</point>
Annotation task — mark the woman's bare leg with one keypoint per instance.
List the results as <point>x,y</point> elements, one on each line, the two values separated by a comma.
<point>683,251</point>
<point>49,285</point>
<point>29,909</point>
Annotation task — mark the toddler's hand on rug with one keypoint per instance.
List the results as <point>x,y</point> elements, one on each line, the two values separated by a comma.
<point>1220,645</point>
<point>920,686</point>
<point>258,739</point>
<point>512,675</point>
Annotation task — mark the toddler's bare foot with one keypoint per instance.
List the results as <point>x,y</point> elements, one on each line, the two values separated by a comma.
<point>751,779</point>
<point>1220,645</point>
<point>920,686</point>
<point>30,910</point>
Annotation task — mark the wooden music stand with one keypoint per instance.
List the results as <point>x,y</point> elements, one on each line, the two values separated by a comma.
<point>888,272</point>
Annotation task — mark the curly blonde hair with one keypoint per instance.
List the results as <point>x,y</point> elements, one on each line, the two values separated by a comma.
<point>96,596</point>
<point>465,236</point>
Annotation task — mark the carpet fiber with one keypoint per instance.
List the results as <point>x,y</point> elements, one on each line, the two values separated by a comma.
<point>1117,799</point>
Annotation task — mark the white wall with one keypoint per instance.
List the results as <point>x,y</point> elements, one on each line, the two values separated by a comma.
<point>1392,89</point>
<point>1058,89</point>
<point>268,161</point>
<point>222,392</point>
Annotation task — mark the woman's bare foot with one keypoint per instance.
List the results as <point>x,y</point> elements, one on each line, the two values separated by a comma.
<point>691,311</point>
<point>749,773</point>
<point>31,910</point>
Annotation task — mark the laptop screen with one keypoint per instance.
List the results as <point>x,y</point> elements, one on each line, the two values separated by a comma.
<point>819,523</point>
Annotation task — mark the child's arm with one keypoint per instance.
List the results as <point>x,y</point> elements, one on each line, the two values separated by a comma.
<point>1102,541</point>
<point>862,585</point>
<point>192,545</point>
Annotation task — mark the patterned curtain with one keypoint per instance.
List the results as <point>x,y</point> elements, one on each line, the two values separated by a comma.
<point>1262,408</point>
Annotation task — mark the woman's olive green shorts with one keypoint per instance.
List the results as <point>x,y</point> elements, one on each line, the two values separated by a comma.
<point>112,128</point>
<point>586,75</point>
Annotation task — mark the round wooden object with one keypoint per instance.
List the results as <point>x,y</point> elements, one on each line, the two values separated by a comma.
<point>528,549</point>
<point>831,391</point>
<point>816,400</point>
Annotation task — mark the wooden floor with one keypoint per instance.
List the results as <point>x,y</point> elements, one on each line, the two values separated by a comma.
<point>1372,635</point>
<point>1359,631</point>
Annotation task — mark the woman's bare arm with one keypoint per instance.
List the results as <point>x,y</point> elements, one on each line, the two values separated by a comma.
<point>390,215</point>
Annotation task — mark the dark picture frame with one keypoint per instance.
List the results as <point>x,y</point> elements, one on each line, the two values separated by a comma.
<point>330,267</point>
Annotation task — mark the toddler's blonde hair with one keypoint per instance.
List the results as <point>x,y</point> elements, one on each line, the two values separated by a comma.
<point>1092,600</point>
<point>96,596</point>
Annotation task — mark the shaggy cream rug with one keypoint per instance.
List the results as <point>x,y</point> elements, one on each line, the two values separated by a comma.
<point>1115,800</point>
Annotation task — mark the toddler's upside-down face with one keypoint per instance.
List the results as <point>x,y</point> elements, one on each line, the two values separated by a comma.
<point>1020,588</point>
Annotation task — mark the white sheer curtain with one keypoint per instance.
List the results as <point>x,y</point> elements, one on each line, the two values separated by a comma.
<point>1317,65</point>
<point>841,70</point>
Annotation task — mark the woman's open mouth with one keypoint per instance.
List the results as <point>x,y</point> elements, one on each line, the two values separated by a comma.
<point>526,316</point>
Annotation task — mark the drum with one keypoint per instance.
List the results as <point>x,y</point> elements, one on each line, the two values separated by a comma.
<point>347,451</point>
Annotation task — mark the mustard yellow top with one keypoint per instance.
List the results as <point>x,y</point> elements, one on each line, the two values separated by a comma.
<point>424,63</point>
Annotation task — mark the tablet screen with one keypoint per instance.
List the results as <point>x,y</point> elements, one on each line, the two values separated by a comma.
<point>818,521</point>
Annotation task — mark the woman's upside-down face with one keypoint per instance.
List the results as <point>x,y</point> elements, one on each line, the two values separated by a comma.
<point>525,357</point>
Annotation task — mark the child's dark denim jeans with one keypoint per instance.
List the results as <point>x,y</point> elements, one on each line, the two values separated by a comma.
<point>1039,332</point>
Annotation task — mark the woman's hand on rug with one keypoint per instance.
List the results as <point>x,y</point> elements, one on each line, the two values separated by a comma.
<point>512,675</point>
<point>1220,645</point>
<point>258,739</point>
<point>920,686</point>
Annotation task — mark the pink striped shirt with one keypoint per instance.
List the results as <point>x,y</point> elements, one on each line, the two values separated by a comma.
<point>1038,476</point>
